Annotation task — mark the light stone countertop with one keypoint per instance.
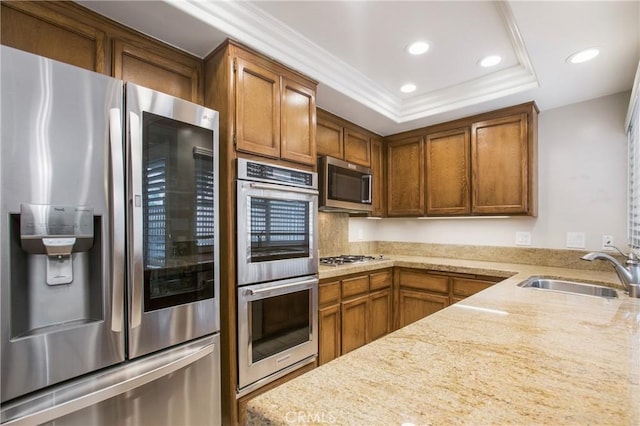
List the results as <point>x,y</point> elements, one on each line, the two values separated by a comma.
<point>506,355</point>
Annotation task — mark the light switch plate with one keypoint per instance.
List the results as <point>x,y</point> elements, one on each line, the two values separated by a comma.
<point>523,238</point>
<point>576,240</point>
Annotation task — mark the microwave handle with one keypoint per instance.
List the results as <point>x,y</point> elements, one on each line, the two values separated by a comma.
<point>259,185</point>
<point>368,179</point>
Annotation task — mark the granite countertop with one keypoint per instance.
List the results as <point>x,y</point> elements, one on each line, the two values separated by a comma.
<point>507,355</point>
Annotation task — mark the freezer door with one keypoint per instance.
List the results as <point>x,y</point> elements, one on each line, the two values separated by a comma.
<point>180,386</point>
<point>61,222</point>
<point>172,148</point>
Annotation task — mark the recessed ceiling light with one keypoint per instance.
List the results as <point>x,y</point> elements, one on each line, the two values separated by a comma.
<point>489,61</point>
<point>408,88</point>
<point>583,56</point>
<point>418,47</point>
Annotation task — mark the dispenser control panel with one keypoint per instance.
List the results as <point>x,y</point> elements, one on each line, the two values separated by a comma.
<point>39,222</point>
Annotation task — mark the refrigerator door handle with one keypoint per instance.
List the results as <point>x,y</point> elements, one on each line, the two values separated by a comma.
<point>118,224</point>
<point>110,385</point>
<point>136,215</point>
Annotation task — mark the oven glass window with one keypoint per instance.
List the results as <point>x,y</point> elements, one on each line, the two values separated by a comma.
<point>178,216</point>
<point>279,323</point>
<point>346,185</point>
<point>279,229</point>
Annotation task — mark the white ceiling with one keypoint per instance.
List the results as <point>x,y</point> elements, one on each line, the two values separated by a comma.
<point>355,50</point>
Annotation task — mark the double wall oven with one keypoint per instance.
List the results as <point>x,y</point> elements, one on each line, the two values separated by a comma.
<point>277,271</point>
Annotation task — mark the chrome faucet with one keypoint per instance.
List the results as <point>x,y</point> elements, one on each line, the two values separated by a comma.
<point>629,275</point>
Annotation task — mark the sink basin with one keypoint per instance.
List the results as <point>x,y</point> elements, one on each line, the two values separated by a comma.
<point>569,287</point>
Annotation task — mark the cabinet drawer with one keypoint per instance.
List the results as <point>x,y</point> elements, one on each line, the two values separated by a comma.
<point>423,281</point>
<point>355,286</point>
<point>329,293</point>
<point>380,280</point>
<point>466,287</point>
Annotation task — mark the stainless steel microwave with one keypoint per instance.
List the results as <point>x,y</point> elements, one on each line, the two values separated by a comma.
<point>344,186</point>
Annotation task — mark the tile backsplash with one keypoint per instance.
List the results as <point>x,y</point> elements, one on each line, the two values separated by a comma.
<point>333,230</point>
<point>333,240</point>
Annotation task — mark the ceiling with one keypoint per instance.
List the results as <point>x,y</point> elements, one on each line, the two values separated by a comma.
<point>356,50</point>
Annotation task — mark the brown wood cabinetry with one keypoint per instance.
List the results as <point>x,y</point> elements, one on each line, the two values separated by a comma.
<point>500,157</point>
<point>447,172</point>
<point>70,33</point>
<point>268,109</point>
<point>405,176</point>
<point>422,292</point>
<point>480,165</point>
<point>353,311</point>
<point>378,171</point>
<point>341,139</point>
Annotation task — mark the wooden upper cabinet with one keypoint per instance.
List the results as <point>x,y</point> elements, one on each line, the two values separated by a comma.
<point>70,33</point>
<point>298,123</point>
<point>447,172</point>
<point>329,136</point>
<point>500,165</point>
<point>36,28</point>
<point>274,108</point>
<point>405,177</point>
<point>357,148</point>
<point>138,64</point>
<point>480,165</point>
<point>377,169</point>
<point>257,109</point>
<point>341,139</point>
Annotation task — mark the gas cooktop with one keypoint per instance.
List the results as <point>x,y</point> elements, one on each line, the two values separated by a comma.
<point>346,259</point>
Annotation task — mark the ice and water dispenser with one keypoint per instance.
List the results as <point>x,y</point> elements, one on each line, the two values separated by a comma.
<point>55,264</point>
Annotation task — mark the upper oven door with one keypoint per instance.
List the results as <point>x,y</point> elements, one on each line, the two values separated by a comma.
<point>277,232</point>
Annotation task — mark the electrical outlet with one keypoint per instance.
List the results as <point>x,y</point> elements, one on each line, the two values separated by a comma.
<point>523,238</point>
<point>576,240</point>
<point>607,242</point>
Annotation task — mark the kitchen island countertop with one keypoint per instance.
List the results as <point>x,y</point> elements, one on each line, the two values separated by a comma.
<point>506,355</point>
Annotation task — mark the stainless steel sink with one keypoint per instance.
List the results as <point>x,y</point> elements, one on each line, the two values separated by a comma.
<point>569,287</point>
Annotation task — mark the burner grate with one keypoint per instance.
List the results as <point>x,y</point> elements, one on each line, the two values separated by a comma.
<point>346,259</point>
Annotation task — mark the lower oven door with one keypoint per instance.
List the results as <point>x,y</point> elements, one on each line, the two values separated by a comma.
<point>277,329</point>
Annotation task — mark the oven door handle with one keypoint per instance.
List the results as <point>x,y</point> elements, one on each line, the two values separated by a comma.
<point>259,185</point>
<point>252,292</point>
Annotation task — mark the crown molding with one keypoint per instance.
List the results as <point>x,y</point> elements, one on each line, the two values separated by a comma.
<point>247,23</point>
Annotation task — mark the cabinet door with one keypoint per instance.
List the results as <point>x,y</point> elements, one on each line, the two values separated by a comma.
<point>464,287</point>
<point>329,331</point>
<point>380,318</point>
<point>405,177</point>
<point>32,27</point>
<point>499,164</point>
<point>357,148</point>
<point>447,172</point>
<point>354,316</point>
<point>139,65</point>
<point>377,169</point>
<point>298,108</point>
<point>257,109</point>
<point>415,305</point>
<point>329,136</point>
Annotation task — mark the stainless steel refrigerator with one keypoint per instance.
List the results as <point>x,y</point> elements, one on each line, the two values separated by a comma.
<point>109,275</point>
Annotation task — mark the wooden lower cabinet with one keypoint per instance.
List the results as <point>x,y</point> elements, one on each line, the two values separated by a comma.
<point>380,314</point>
<point>415,305</point>
<point>422,292</point>
<point>355,314</point>
<point>354,310</point>
<point>329,323</point>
